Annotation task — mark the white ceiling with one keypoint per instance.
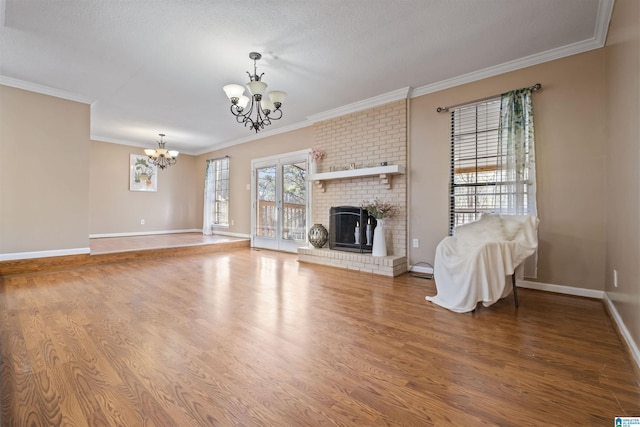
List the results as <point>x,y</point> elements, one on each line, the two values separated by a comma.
<point>158,66</point>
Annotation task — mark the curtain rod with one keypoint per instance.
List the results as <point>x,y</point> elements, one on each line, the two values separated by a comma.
<point>534,88</point>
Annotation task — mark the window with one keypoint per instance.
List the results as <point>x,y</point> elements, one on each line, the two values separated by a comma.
<point>490,161</point>
<point>216,198</point>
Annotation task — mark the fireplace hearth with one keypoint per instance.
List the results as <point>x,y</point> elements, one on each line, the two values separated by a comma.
<point>351,229</point>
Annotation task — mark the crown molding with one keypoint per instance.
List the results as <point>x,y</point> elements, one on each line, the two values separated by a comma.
<point>605,9</point>
<point>255,137</point>
<point>375,101</point>
<point>506,67</point>
<point>365,104</point>
<point>99,138</point>
<point>3,6</point>
<point>44,90</point>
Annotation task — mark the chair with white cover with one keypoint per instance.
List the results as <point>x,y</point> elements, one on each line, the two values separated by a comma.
<point>475,263</point>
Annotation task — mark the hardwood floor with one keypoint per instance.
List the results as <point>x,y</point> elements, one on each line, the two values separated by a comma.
<point>254,338</point>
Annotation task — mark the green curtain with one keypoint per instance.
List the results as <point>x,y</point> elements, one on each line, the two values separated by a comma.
<point>516,140</point>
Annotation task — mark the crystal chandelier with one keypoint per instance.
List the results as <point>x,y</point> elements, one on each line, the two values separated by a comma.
<point>266,108</point>
<point>161,157</point>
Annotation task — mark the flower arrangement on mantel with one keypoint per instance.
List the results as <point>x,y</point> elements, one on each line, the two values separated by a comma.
<point>317,154</point>
<point>379,210</point>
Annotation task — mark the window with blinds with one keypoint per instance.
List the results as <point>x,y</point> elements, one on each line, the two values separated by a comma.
<point>219,180</point>
<point>479,182</point>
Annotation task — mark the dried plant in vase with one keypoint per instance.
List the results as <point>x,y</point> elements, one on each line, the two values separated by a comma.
<point>380,211</point>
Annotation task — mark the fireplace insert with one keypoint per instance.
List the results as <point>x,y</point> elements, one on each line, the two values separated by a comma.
<point>351,229</point>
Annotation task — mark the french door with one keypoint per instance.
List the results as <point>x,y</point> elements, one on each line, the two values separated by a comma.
<point>280,207</point>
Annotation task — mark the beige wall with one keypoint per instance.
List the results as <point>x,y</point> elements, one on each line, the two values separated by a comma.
<point>569,125</point>
<point>115,209</point>
<point>622,199</point>
<point>44,186</point>
<point>240,157</point>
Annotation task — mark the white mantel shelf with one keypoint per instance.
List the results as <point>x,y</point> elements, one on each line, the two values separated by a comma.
<point>384,172</point>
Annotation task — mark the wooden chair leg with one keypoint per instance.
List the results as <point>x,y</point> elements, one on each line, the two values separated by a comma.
<point>515,289</point>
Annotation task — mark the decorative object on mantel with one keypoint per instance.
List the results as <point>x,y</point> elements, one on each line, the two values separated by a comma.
<point>316,155</point>
<point>161,157</point>
<point>266,109</point>
<point>380,211</point>
<point>318,235</point>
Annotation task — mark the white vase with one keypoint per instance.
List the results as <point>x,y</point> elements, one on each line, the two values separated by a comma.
<point>379,241</point>
<point>313,167</point>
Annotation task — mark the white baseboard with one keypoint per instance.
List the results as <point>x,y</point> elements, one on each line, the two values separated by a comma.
<point>230,234</point>
<point>151,233</point>
<point>421,267</point>
<point>81,251</point>
<point>44,254</point>
<point>144,233</point>
<point>591,293</point>
<point>635,353</point>
<point>560,289</point>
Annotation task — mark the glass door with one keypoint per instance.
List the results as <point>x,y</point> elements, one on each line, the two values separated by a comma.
<point>280,202</point>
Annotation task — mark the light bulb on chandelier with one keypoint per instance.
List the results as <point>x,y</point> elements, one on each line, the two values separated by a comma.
<point>161,157</point>
<point>266,108</point>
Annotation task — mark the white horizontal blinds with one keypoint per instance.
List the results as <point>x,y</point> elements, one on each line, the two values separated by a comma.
<point>478,180</point>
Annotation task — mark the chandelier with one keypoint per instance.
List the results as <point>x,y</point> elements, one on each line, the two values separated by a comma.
<point>266,108</point>
<point>161,157</point>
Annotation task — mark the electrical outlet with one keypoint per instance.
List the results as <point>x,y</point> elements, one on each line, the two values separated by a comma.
<point>233,222</point>
<point>416,243</point>
<point>142,222</point>
<point>248,186</point>
<point>615,278</point>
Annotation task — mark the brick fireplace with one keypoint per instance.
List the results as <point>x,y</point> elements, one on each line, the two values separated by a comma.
<point>371,145</point>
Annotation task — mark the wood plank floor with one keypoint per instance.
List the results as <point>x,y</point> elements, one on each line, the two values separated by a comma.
<point>254,338</point>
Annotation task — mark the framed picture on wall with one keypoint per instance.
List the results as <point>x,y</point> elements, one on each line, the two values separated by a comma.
<point>143,175</point>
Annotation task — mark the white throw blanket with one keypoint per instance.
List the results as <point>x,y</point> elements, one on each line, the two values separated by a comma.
<point>473,265</point>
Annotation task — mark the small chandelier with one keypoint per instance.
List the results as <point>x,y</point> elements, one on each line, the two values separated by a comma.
<point>266,109</point>
<point>161,157</point>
